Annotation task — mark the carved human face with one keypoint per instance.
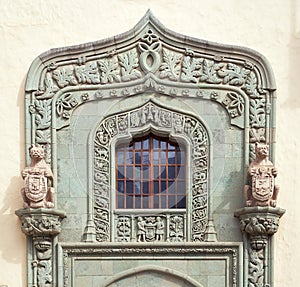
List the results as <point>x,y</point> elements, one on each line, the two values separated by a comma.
<point>261,150</point>
<point>36,152</point>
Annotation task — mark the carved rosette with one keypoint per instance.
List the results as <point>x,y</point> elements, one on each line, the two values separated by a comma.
<point>259,223</point>
<point>41,226</point>
<point>139,119</point>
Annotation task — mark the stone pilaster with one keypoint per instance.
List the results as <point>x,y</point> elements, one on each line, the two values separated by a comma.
<point>41,226</point>
<point>259,224</point>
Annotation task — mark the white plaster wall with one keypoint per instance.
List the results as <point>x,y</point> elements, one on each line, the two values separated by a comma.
<point>30,27</point>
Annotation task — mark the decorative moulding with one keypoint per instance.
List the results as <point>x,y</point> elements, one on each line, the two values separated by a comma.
<point>148,60</point>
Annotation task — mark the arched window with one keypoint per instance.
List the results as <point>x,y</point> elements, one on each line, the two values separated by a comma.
<point>150,174</point>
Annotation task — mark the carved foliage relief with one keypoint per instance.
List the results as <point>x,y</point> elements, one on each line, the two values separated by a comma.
<point>164,120</point>
<point>150,63</point>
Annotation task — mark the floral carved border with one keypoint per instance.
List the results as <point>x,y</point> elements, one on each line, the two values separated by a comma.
<point>172,122</point>
<point>155,60</point>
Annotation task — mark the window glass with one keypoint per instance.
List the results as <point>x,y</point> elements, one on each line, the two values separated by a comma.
<point>150,173</point>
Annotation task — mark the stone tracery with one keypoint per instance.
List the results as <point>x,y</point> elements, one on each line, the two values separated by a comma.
<point>172,122</point>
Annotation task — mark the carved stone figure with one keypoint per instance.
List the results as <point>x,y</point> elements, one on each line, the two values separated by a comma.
<point>159,233</point>
<point>260,189</point>
<point>38,176</point>
<point>141,234</point>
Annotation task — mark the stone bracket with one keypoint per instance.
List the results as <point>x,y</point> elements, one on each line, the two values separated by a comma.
<point>259,224</point>
<point>41,227</point>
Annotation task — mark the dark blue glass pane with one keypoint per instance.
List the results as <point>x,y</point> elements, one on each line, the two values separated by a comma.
<point>146,188</point>
<point>181,202</point>
<point>172,201</point>
<point>138,158</point>
<point>171,172</point>
<point>121,172</point>
<point>129,186</point>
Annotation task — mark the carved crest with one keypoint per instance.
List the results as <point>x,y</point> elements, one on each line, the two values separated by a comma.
<point>35,185</point>
<point>260,189</point>
<point>263,184</point>
<point>36,192</point>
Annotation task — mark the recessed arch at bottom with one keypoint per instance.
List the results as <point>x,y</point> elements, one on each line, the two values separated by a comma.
<point>151,275</point>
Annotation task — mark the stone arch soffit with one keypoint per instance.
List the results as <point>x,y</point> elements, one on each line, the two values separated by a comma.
<point>180,277</point>
<point>174,123</point>
<point>151,58</point>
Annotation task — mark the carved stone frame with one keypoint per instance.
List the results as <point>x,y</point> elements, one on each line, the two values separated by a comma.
<point>177,125</point>
<point>231,253</point>
<point>239,79</point>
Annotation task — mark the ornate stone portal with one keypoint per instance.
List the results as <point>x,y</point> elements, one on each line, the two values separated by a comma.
<point>81,101</point>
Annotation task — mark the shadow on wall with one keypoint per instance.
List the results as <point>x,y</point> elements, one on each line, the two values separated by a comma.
<point>12,240</point>
<point>12,236</point>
